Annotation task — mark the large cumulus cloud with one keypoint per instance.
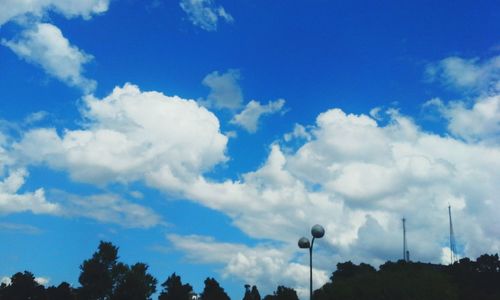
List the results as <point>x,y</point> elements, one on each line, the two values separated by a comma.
<point>129,136</point>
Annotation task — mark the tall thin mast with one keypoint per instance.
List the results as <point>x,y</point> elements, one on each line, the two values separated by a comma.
<point>405,250</point>
<point>452,239</point>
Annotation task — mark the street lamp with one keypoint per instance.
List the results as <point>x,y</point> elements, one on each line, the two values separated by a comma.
<point>317,232</point>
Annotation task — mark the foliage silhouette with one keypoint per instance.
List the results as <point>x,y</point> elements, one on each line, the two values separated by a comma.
<point>173,289</point>
<point>134,283</point>
<point>63,291</point>
<point>23,286</point>
<point>213,291</point>
<point>464,280</point>
<point>99,273</point>
<point>251,294</point>
<point>283,293</point>
<point>102,277</point>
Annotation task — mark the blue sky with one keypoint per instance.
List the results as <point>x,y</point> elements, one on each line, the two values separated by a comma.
<point>204,137</point>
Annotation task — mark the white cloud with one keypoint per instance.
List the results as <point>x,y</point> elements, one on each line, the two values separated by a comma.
<point>44,45</point>
<point>5,280</point>
<point>105,208</point>
<point>35,117</point>
<point>205,13</point>
<point>225,91</point>
<point>132,135</point>
<point>375,113</point>
<point>12,202</point>
<point>299,132</point>
<point>263,265</point>
<point>128,136</point>
<point>12,9</point>
<point>477,120</point>
<point>42,280</point>
<point>250,116</point>
<point>481,122</point>
<point>467,73</point>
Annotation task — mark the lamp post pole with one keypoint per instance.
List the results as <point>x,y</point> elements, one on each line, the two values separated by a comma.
<point>317,231</point>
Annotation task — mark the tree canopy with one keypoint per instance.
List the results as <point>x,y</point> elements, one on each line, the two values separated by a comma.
<point>173,289</point>
<point>463,280</point>
<point>213,291</point>
<point>251,293</point>
<point>283,293</point>
<point>103,277</point>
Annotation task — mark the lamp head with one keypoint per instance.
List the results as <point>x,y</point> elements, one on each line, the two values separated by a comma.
<point>304,243</point>
<point>317,231</point>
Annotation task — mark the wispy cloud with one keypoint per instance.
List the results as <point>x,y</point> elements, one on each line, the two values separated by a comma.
<point>44,45</point>
<point>106,208</point>
<point>476,120</point>
<point>250,116</point>
<point>205,13</point>
<point>19,228</point>
<point>479,122</point>
<point>225,91</point>
<point>12,9</point>
<point>462,73</point>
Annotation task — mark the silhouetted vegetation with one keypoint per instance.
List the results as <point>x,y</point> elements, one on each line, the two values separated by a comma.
<point>251,294</point>
<point>173,289</point>
<point>283,293</point>
<point>23,286</point>
<point>464,280</point>
<point>104,277</point>
<point>213,291</point>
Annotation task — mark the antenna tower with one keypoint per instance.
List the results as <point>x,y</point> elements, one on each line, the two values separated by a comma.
<point>406,253</point>
<point>452,239</point>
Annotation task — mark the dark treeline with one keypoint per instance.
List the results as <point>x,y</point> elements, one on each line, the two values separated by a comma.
<point>103,277</point>
<point>464,280</point>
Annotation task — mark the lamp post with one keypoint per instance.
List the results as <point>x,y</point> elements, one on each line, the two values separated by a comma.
<point>317,232</point>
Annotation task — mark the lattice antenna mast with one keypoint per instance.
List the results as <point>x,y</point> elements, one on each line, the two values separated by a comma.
<point>452,239</point>
<point>406,253</point>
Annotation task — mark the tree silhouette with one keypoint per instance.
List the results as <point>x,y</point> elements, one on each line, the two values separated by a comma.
<point>477,279</point>
<point>104,278</point>
<point>134,283</point>
<point>99,273</point>
<point>400,280</point>
<point>283,293</point>
<point>251,294</point>
<point>173,289</point>
<point>23,286</point>
<point>213,291</point>
<point>62,292</point>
